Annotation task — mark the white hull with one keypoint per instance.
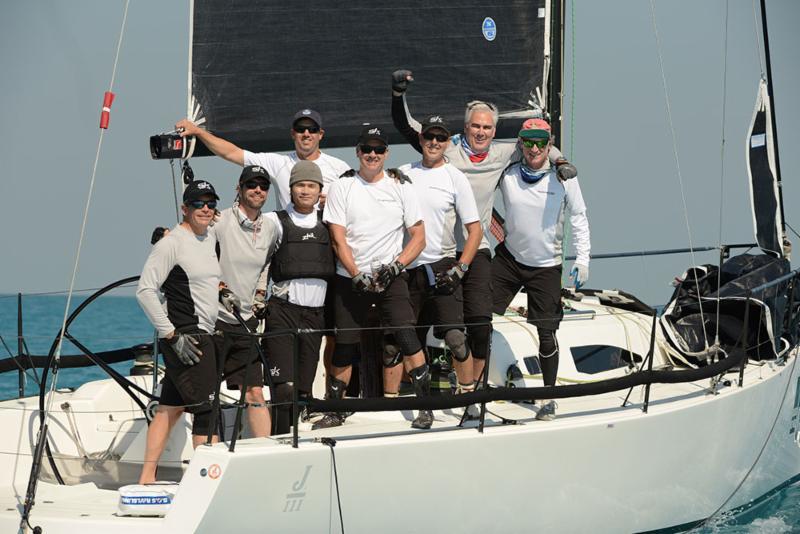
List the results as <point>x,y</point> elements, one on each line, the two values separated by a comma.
<point>598,467</point>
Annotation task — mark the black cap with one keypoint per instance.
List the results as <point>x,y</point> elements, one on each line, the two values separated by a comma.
<point>197,189</point>
<point>370,133</point>
<point>254,171</point>
<point>435,121</point>
<point>308,114</point>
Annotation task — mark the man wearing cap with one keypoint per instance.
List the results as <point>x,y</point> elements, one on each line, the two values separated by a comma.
<point>246,243</point>
<point>368,214</point>
<point>183,265</point>
<point>482,159</point>
<point>536,203</point>
<point>300,269</point>
<point>435,276</point>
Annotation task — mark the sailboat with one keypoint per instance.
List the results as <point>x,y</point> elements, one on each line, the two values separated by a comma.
<point>664,421</point>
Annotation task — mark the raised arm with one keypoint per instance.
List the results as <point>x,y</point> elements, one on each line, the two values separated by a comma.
<point>401,116</point>
<point>217,145</point>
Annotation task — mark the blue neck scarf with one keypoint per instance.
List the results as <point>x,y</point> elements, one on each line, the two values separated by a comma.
<point>531,176</point>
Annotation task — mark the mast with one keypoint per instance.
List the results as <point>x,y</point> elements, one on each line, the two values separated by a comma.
<point>772,114</point>
<point>555,79</point>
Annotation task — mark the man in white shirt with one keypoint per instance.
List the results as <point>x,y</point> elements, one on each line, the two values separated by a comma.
<point>368,215</point>
<point>300,269</point>
<point>536,203</point>
<point>183,265</point>
<point>435,276</point>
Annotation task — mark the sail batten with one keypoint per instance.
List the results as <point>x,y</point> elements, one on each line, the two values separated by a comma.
<point>255,63</point>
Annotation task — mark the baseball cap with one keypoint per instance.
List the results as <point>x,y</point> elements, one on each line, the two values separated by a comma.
<point>370,133</point>
<point>308,114</point>
<point>254,171</point>
<point>435,121</point>
<point>305,170</point>
<point>535,129</point>
<point>197,189</point>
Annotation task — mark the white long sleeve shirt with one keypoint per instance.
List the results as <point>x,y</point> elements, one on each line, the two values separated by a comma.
<point>535,215</point>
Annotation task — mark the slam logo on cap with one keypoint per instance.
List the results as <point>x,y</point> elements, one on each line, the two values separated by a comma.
<point>436,120</point>
<point>203,185</point>
<point>376,131</point>
<point>257,169</point>
<point>306,112</point>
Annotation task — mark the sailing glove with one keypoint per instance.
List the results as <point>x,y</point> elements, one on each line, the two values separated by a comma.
<point>387,273</point>
<point>185,346</point>
<point>259,305</point>
<point>398,175</point>
<point>158,234</point>
<point>400,80</point>
<point>362,283</point>
<point>579,274</point>
<point>447,282</point>
<point>228,300</point>
<point>565,170</point>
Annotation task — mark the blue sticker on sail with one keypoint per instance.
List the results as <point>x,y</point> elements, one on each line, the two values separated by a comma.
<point>489,29</point>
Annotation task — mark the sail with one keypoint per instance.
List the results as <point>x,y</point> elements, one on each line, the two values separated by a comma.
<point>764,187</point>
<point>254,63</point>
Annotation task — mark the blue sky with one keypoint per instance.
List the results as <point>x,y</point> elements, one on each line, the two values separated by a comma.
<point>56,64</point>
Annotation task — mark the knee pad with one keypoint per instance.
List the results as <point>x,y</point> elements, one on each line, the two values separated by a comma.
<point>345,353</point>
<point>201,423</point>
<point>456,341</point>
<point>408,341</point>
<point>548,344</point>
<point>479,338</point>
<point>391,355</point>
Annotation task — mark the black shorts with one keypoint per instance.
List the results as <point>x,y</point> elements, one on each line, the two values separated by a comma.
<point>542,284</point>
<point>283,315</point>
<point>190,386</point>
<point>353,310</point>
<point>330,308</point>
<point>445,312</point>
<point>477,288</point>
<point>236,347</point>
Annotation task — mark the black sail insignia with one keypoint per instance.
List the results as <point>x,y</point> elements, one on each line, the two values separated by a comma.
<point>254,63</point>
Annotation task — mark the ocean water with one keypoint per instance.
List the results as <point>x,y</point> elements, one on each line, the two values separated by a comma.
<point>117,322</point>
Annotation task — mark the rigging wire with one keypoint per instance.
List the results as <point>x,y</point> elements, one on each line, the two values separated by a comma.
<point>677,163</point>
<point>722,160</point>
<point>175,190</point>
<point>756,27</point>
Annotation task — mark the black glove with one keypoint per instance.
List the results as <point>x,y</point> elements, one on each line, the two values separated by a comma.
<point>398,175</point>
<point>185,346</point>
<point>387,273</point>
<point>400,80</point>
<point>228,300</point>
<point>259,306</point>
<point>447,282</point>
<point>362,283</point>
<point>348,173</point>
<point>565,170</point>
<point>157,234</point>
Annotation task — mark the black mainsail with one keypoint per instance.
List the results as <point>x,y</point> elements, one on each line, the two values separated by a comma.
<point>254,63</point>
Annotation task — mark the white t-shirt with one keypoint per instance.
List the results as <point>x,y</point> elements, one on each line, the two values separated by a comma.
<point>279,167</point>
<point>245,249</point>
<point>535,218</point>
<point>374,215</point>
<point>300,291</point>
<point>440,191</point>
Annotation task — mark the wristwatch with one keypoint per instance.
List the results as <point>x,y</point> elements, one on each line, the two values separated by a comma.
<point>464,267</point>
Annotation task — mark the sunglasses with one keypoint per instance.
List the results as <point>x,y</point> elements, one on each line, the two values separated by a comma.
<point>366,149</point>
<point>428,136</point>
<point>301,128</point>
<point>252,184</point>
<point>538,143</point>
<point>198,204</point>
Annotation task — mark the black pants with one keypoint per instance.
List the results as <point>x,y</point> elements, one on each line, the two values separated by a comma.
<point>283,315</point>
<point>477,289</point>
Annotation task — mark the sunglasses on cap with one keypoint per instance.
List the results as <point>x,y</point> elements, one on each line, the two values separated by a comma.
<point>302,128</point>
<point>538,143</point>
<point>429,136</point>
<point>252,184</point>
<point>198,204</point>
<point>366,149</point>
